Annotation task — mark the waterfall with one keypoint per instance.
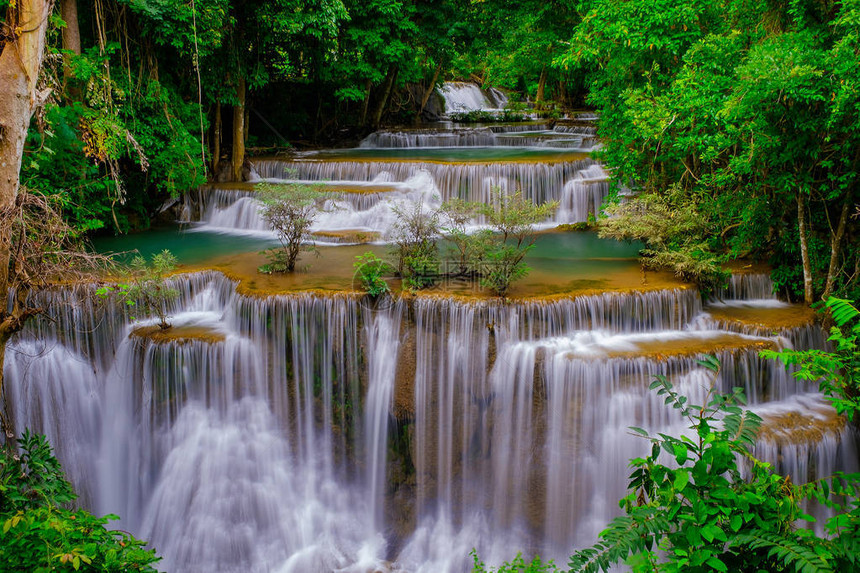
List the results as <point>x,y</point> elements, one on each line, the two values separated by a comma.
<point>382,332</point>
<point>463,96</point>
<point>317,433</point>
<point>366,209</point>
<point>539,181</point>
<point>582,195</point>
<point>480,137</point>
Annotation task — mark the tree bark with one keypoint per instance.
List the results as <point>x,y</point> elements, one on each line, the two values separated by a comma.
<point>71,34</point>
<point>216,139</point>
<point>20,62</point>
<point>428,92</point>
<point>804,249</point>
<point>246,126</point>
<point>366,104</point>
<point>239,131</point>
<point>386,94</point>
<point>541,86</point>
<point>835,246</point>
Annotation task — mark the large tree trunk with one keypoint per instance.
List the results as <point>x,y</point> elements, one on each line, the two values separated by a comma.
<point>836,246</point>
<point>216,139</point>
<point>71,34</point>
<point>428,92</point>
<point>366,104</point>
<point>541,86</point>
<point>386,95</point>
<point>239,131</point>
<point>804,249</point>
<point>20,62</point>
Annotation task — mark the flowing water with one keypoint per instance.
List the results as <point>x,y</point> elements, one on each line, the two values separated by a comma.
<point>465,96</point>
<point>313,432</point>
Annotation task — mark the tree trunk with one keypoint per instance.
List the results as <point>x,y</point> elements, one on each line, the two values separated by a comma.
<point>541,86</point>
<point>20,63</point>
<point>71,34</point>
<point>835,246</point>
<point>428,92</point>
<point>804,249</point>
<point>386,94</point>
<point>216,139</point>
<point>366,104</point>
<point>239,131</point>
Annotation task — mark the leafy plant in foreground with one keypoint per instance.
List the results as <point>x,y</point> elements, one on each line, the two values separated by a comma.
<point>698,512</point>
<point>837,372</point>
<point>37,531</point>
<point>517,565</point>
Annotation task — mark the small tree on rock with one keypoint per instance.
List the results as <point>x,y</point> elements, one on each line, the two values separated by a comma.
<point>414,244</point>
<point>511,237</point>
<point>290,211</point>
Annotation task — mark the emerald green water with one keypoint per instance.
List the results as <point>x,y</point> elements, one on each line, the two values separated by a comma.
<point>190,247</point>
<point>555,253</point>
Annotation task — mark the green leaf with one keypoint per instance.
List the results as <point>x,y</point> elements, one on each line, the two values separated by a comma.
<point>682,477</point>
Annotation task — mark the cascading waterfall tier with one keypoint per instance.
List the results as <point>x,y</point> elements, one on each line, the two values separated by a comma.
<point>465,97</point>
<point>316,433</point>
<point>539,181</point>
<point>563,137</point>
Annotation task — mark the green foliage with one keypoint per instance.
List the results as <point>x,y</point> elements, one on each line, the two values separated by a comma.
<point>40,534</point>
<point>837,371</point>
<point>518,565</point>
<point>690,508</point>
<point>503,249</point>
<point>290,210</point>
<point>370,270</point>
<point>413,238</point>
<point>745,111</point>
<point>466,248</point>
<point>147,288</point>
<point>32,479</point>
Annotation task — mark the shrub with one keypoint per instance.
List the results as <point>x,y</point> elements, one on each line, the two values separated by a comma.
<point>837,372</point>
<point>467,248</point>
<point>39,534</point>
<point>517,565</point>
<point>290,211</point>
<point>413,239</point>
<point>697,512</point>
<point>370,269</point>
<point>148,287</point>
<point>512,221</point>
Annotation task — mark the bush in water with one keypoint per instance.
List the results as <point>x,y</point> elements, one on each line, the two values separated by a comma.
<point>290,210</point>
<point>370,269</point>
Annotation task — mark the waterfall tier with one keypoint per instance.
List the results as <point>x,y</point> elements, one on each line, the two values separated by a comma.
<point>313,433</point>
<point>465,97</point>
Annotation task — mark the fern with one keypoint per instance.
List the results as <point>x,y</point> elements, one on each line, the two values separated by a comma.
<point>842,311</point>
<point>789,550</point>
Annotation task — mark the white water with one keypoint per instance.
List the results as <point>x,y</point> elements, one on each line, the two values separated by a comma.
<point>464,97</point>
<point>270,450</point>
<point>239,212</point>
